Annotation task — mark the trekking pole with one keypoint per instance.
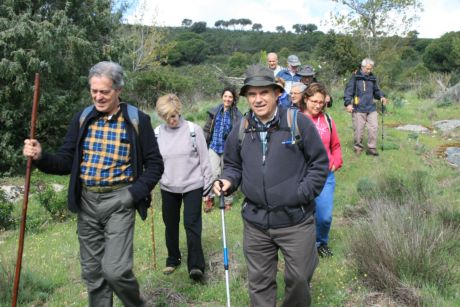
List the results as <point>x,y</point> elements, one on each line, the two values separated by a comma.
<point>152,230</point>
<point>17,274</point>
<point>383,112</point>
<point>224,240</point>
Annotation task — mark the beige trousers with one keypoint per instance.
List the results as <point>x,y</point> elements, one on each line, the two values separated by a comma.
<point>360,121</point>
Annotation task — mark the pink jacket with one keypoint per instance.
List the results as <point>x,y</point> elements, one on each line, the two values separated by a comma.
<point>330,139</point>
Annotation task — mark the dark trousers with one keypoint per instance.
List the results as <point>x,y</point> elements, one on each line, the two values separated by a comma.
<point>261,247</point>
<point>171,205</point>
<point>105,232</point>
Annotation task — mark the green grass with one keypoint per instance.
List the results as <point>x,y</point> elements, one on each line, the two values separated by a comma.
<point>51,250</point>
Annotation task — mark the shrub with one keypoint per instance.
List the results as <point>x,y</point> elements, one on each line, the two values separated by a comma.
<point>400,246</point>
<point>6,212</point>
<point>54,202</point>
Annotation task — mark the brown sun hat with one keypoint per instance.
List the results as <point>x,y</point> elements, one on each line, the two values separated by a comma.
<point>258,75</point>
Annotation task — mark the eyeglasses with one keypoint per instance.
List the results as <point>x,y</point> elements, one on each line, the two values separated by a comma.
<point>318,102</point>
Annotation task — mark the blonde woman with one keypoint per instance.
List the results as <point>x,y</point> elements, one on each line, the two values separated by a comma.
<point>187,178</point>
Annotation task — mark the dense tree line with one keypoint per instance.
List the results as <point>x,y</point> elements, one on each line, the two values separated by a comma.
<point>62,40</point>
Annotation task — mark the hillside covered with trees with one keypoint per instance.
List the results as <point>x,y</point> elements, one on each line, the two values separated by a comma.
<point>61,40</point>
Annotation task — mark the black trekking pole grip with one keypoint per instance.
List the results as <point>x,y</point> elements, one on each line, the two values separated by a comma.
<point>222,200</point>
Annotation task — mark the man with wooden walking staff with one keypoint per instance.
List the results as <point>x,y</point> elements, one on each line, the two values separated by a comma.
<point>112,156</point>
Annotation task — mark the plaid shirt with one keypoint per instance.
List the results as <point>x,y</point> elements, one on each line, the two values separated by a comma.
<point>222,128</point>
<point>106,150</point>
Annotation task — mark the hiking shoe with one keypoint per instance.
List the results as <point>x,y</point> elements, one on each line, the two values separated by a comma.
<point>196,274</point>
<point>324,251</point>
<point>208,204</point>
<point>169,269</point>
<point>372,152</point>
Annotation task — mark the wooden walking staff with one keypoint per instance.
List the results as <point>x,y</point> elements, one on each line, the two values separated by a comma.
<point>152,230</point>
<point>26,194</point>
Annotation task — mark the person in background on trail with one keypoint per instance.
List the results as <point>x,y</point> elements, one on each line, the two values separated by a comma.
<point>289,74</point>
<point>314,105</point>
<point>272,61</point>
<point>283,100</point>
<point>308,76</point>
<point>296,94</point>
<point>280,176</point>
<point>359,95</point>
<point>187,177</point>
<point>114,162</point>
<point>220,122</point>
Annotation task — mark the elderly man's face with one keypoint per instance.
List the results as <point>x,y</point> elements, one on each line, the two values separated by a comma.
<point>367,69</point>
<point>272,61</point>
<point>262,101</point>
<point>105,98</point>
<point>296,95</point>
<point>293,69</point>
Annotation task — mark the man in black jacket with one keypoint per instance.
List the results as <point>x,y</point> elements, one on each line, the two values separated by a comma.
<point>112,156</point>
<point>360,92</point>
<point>280,176</point>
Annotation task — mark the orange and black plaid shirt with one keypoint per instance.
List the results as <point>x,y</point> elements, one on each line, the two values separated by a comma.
<point>106,153</point>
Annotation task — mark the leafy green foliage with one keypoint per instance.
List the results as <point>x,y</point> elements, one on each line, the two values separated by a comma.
<point>53,201</point>
<point>443,54</point>
<point>6,212</point>
<point>60,40</point>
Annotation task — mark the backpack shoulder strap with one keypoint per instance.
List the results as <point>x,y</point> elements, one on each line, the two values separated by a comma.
<point>191,128</point>
<point>157,131</point>
<point>244,123</point>
<point>85,114</point>
<point>329,121</point>
<point>133,114</point>
<point>292,124</point>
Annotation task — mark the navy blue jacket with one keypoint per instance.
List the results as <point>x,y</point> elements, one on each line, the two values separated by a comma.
<point>366,88</point>
<point>279,191</point>
<point>146,159</point>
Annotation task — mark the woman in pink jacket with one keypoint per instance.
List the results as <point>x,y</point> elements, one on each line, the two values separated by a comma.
<point>313,106</point>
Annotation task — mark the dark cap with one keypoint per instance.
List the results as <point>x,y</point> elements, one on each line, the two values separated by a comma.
<point>306,71</point>
<point>258,75</point>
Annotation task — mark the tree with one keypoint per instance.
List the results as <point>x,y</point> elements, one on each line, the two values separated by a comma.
<point>280,29</point>
<point>443,54</point>
<point>310,28</point>
<point>244,22</point>
<point>257,27</point>
<point>219,23</point>
<point>369,19</point>
<point>61,40</point>
<point>186,22</point>
<point>198,27</point>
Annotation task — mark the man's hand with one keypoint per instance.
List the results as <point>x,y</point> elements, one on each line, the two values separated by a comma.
<point>225,186</point>
<point>384,101</point>
<point>349,108</point>
<point>32,149</point>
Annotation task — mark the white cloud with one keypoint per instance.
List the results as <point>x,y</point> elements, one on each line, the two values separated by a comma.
<point>438,17</point>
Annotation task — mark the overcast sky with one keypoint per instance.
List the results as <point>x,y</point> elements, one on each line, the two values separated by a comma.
<point>437,18</point>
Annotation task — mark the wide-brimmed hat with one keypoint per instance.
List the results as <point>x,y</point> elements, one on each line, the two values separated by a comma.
<point>293,60</point>
<point>258,75</point>
<point>306,71</point>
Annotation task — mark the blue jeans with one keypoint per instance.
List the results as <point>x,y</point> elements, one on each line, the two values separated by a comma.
<point>324,206</point>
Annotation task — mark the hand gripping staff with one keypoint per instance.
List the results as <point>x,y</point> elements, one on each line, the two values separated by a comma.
<point>222,211</point>
<point>26,195</point>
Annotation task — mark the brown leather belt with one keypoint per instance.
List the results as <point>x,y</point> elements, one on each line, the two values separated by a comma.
<point>105,189</point>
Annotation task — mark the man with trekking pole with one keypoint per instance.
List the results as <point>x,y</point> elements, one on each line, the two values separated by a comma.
<point>111,154</point>
<point>359,95</point>
<point>279,160</point>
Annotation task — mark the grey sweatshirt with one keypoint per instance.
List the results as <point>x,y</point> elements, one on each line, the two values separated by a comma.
<point>185,169</point>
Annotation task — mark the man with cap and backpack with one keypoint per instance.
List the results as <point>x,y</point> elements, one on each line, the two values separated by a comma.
<point>290,75</point>
<point>279,161</point>
<point>308,76</point>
